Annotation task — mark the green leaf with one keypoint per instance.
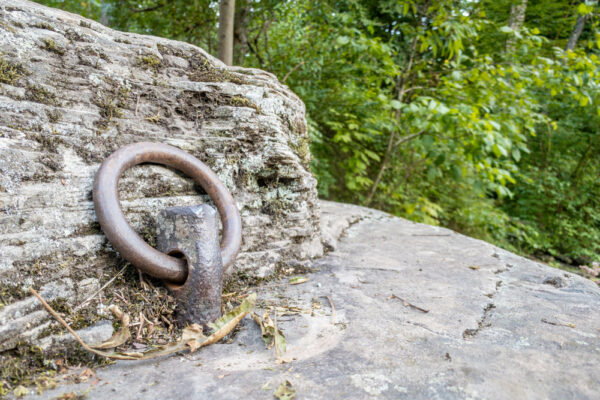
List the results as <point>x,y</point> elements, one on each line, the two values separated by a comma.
<point>343,40</point>
<point>456,172</point>
<point>396,105</point>
<point>296,280</point>
<point>499,150</point>
<point>516,155</point>
<point>506,29</point>
<point>285,391</point>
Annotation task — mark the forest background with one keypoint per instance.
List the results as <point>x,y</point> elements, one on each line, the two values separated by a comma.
<point>478,115</point>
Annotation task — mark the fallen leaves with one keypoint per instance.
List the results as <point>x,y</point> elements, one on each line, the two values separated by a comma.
<point>285,391</point>
<point>271,335</point>
<point>192,337</point>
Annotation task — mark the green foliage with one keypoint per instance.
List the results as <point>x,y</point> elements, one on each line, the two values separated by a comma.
<point>444,112</point>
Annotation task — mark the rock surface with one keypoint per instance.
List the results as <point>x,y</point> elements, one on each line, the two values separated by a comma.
<point>420,312</point>
<point>73,91</point>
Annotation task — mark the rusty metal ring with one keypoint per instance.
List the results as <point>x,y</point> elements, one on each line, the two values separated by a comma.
<point>126,241</point>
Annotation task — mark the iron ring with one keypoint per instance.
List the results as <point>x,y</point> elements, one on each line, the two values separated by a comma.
<point>126,241</point>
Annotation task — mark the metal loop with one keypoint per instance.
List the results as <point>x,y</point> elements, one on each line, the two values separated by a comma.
<point>126,241</point>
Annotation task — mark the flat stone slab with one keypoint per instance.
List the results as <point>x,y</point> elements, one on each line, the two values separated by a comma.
<point>420,312</point>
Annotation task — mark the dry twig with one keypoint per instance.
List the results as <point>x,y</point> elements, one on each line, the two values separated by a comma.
<point>100,290</point>
<point>407,304</point>
<point>332,309</point>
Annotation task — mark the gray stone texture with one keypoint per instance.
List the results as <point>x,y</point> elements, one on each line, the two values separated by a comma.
<point>498,326</point>
<point>73,91</point>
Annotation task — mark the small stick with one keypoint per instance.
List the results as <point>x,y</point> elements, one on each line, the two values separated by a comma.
<point>332,310</point>
<point>120,296</point>
<point>568,325</point>
<point>166,320</point>
<point>407,304</point>
<point>138,336</point>
<point>72,332</point>
<point>101,289</point>
<point>291,71</point>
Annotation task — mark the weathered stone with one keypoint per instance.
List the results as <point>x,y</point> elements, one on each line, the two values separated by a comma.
<point>94,334</point>
<point>73,91</point>
<point>25,319</point>
<point>421,312</point>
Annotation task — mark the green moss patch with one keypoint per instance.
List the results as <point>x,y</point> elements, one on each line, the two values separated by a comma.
<point>44,25</point>
<point>204,72</point>
<point>53,47</point>
<point>10,72</point>
<point>111,102</point>
<point>39,94</point>
<point>149,62</point>
<point>239,101</point>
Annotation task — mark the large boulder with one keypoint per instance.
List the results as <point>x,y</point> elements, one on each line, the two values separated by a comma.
<point>398,310</point>
<point>73,91</point>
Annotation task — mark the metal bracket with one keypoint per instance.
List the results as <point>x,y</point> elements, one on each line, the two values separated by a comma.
<point>193,233</point>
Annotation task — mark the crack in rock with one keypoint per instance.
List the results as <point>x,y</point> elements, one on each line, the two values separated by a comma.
<point>483,322</point>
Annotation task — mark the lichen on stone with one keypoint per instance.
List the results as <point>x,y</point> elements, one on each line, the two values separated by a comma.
<point>51,45</point>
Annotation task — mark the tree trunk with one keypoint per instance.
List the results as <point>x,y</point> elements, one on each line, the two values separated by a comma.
<point>517,15</point>
<point>226,17</point>
<point>240,31</point>
<point>516,20</point>
<point>579,25</point>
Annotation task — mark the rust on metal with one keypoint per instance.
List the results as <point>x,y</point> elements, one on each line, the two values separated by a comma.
<point>192,232</point>
<point>126,241</point>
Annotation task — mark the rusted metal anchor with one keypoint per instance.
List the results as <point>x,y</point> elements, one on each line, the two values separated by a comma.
<point>188,258</point>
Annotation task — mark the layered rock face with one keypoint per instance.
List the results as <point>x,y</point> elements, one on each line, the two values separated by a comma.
<point>73,91</point>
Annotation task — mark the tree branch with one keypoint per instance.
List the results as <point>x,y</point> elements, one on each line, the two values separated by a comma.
<point>291,71</point>
<point>390,144</point>
<point>153,8</point>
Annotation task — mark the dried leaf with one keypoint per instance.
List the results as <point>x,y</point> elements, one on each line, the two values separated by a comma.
<point>193,345</point>
<point>296,280</point>
<point>225,325</point>
<point>85,375</point>
<point>120,337</point>
<point>285,391</point>
<point>474,267</point>
<point>269,335</point>
<point>20,391</point>
<point>244,308</point>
